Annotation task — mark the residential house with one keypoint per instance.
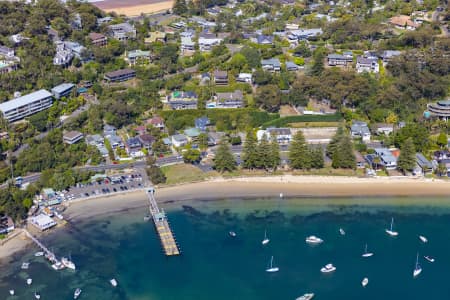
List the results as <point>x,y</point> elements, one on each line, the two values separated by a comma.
<point>62,90</point>
<point>192,134</point>
<point>187,44</point>
<point>122,31</point>
<point>63,56</point>
<point>104,20</point>
<point>6,224</point>
<point>382,128</point>
<point>291,66</point>
<point>272,64</point>
<point>425,166</point>
<point>8,65</point>
<point>227,100</point>
<point>387,55</point>
<point>221,77</point>
<point>6,52</point>
<point>214,11</point>
<point>99,142</point>
<point>283,135</point>
<point>182,100</point>
<point>245,77</point>
<point>120,75</point>
<point>388,160</point>
<point>140,130</point>
<point>403,22</point>
<point>202,122</point>
<point>146,141</point>
<point>208,40</point>
<point>339,59</point>
<point>109,130</point>
<point>115,141</point>
<point>72,137</point>
<point>98,39</point>
<point>157,122</point>
<point>133,146</point>
<point>296,35</point>
<point>360,161</point>
<point>135,56</point>
<point>364,64</point>
<point>76,48</point>
<point>262,39</point>
<point>156,36</point>
<point>214,138</point>
<point>360,129</point>
<point>76,22</point>
<point>179,140</point>
<point>17,38</point>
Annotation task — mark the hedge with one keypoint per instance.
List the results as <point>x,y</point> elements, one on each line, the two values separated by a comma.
<point>282,122</point>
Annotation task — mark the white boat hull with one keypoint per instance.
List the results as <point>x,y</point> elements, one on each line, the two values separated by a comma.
<point>417,272</point>
<point>113,282</point>
<point>365,282</point>
<point>265,241</point>
<point>430,259</point>
<point>272,270</point>
<point>423,239</point>
<point>391,233</point>
<point>367,254</point>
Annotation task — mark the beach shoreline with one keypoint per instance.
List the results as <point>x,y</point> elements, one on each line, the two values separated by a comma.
<point>373,190</point>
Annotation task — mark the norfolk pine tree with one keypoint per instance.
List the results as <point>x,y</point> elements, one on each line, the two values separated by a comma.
<point>407,159</point>
<point>299,154</point>
<point>224,160</point>
<point>264,151</point>
<point>249,154</point>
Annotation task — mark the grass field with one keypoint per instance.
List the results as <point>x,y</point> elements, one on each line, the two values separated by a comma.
<point>185,173</point>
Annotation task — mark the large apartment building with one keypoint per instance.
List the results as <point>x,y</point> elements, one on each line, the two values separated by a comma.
<point>27,105</point>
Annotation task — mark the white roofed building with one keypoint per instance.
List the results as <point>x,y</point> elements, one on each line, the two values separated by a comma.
<point>27,105</point>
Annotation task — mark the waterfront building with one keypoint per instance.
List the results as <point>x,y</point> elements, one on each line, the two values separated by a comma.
<point>42,222</point>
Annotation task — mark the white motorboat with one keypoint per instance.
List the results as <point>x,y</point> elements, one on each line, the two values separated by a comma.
<point>367,254</point>
<point>423,239</point>
<point>390,231</point>
<point>313,240</point>
<point>58,266</point>
<point>341,231</point>
<point>328,268</point>
<point>307,296</point>
<point>68,263</point>
<point>40,253</point>
<point>37,295</point>
<point>265,241</point>
<point>113,282</point>
<point>418,268</point>
<point>232,233</point>
<point>29,281</point>
<point>11,292</point>
<point>272,269</point>
<point>365,282</point>
<point>281,195</point>
<point>429,258</point>
<point>25,265</point>
<point>77,293</point>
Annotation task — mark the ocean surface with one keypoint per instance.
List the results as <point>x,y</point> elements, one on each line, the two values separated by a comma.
<point>217,266</point>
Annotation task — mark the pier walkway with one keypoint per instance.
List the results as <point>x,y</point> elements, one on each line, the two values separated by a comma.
<point>49,254</point>
<point>166,236</point>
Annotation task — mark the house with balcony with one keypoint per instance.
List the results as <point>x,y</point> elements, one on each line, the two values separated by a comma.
<point>122,32</point>
<point>360,129</point>
<point>367,64</point>
<point>120,75</point>
<point>138,56</point>
<point>272,64</point>
<point>227,100</point>
<point>182,100</point>
<point>221,77</point>
<point>98,39</point>
<point>206,41</point>
<point>262,39</point>
<point>339,59</point>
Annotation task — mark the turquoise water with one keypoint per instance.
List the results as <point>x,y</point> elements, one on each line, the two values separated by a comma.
<point>215,266</point>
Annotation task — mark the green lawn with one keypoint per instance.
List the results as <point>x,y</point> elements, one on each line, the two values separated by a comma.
<point>184,173</point>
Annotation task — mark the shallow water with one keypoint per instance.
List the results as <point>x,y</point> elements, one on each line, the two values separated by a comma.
<point>216,266</point>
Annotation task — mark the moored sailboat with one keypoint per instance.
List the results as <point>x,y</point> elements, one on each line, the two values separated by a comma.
<point>390,231</point>
<point>272,269</point>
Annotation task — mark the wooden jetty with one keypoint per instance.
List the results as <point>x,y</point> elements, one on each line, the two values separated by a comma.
<point>48,254</point>
<point>168,242</point>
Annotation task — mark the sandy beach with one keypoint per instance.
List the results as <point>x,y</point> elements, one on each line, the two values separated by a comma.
<point>376,189</point>
<point>134,7</point>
